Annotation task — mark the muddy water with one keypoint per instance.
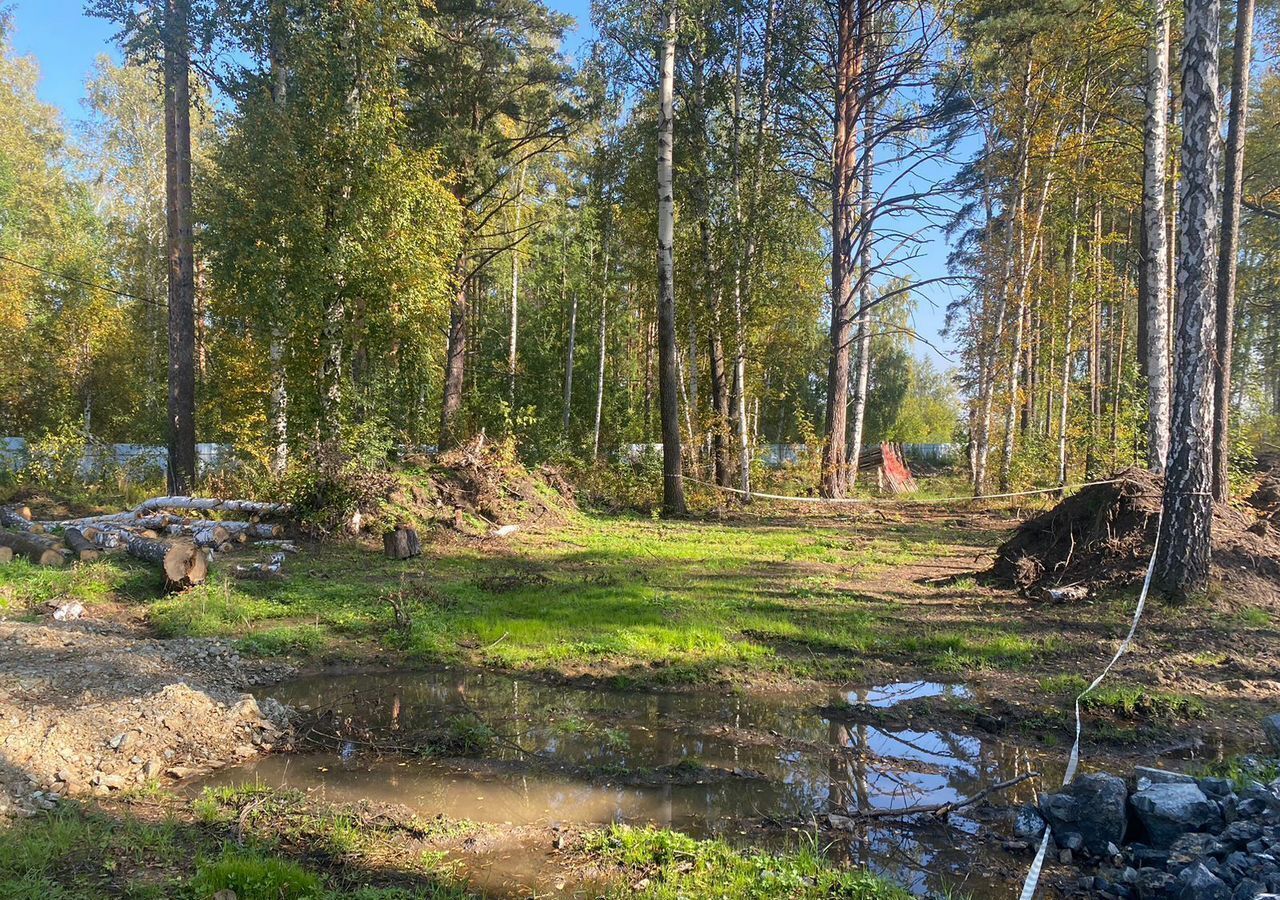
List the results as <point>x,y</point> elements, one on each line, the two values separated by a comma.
<point>703,763</point>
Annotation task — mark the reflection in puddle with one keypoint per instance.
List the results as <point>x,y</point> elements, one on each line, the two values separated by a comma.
<point>701,763</point>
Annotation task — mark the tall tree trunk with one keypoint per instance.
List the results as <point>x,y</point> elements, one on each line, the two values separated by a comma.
<point>604,311</point>
<point>278,399</point>
<point>1155,255</point>
<point>739,331</point>
<point>515,294</point>
<point>844,174</point>
<point>455,360</point>
<point>568,362</point>
<point>865,210</point>
<point>1182,565</point>
<point>668,381</point>
<point>1225,325</point>
<point>181,251</point>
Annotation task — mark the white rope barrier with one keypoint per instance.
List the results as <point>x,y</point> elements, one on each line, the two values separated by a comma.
<point>1073,761</point>
<point>896,500</point>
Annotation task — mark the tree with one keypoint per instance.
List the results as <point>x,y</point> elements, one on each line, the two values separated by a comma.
<point>851,16</point>
<point>1224,325</point>
<point>164,30</point>
<point>1182,562</point>
<point>501,97</point>
<point>1155,260</point>
<point>672,474</point>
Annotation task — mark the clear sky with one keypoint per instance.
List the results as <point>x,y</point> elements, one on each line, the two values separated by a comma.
<point>66,42</point>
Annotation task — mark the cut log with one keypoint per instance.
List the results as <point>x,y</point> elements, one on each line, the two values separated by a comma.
<point>213,504</point>
<point>402,543</point>
<point>38,549</point>
<point>6,554</point>
<point>183,563</point>
<point>15,517</point>
<point>81,545</point>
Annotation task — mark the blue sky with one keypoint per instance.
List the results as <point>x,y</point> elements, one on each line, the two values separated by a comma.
<point>66,42</point>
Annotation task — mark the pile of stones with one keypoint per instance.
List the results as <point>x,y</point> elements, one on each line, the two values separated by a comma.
<point>1164,835</point>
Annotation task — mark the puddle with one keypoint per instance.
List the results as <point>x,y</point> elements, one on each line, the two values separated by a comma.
<point>707,764</point>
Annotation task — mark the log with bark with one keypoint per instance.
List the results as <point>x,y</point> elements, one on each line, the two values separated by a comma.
<point>213,504</point>
<point>39,549</point>
<point>183,563</point>
<point>15,517</point>
<point>81,545</point>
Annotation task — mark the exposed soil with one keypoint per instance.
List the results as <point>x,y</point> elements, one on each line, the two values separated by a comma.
<point>93,706</point>
<point>1103,536</point>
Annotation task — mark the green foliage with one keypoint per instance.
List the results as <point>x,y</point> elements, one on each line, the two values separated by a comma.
<point>675,865</point>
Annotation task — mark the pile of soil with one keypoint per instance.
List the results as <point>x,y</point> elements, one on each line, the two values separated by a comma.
<point>1266,500</point>
<point>481,486</point>
<point>92,707</point>
<point>1103,536</point>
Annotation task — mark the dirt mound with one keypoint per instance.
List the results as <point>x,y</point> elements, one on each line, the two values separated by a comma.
<point>482,479</point>
<point>1103,536</point>
<point>475,489</point>
<point>94,708</point>
<point>1266,500</point>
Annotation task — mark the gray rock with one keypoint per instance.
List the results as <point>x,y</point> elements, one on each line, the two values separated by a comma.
<point>1154,884</point>
<point>1198,883</point>
<point>1028,824</point>
<point>1251,807</point>
<point>1240,833</point>
<point>1072,841</point>
<point>1271,728</point>
<point>1145,776</point>
<point>1190,848</point>
<point>1217,788</point>
<point>1248,890</point>
<point>1170,810</point>
<point>1092,806</point>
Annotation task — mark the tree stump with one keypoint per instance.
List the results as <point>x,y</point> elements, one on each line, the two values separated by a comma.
<point>402,543</point>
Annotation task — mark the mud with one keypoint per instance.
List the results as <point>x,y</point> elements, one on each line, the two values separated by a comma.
<point>755,768</point>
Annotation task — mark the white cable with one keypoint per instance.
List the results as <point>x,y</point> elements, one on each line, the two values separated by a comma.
<point>1073,761</point>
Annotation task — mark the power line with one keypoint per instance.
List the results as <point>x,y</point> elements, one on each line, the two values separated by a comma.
<point>81,281</point>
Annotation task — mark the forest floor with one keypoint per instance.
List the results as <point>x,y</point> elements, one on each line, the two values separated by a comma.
<point>765,599</point>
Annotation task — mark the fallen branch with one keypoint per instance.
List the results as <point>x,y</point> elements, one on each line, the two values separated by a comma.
<point>938,810</point>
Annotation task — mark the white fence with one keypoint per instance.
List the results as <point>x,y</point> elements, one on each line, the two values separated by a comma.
<point>141,459</point>
<point>774,456</point>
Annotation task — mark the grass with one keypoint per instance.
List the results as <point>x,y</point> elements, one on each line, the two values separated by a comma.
<point>647,602</point>
<point>1126,701</point>
<point>83,852</point>
<point>667,864</point>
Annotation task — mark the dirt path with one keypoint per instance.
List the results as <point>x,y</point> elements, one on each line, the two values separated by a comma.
<point>95,706</point>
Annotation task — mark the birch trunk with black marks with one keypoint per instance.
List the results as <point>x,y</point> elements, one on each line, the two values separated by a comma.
<point>1155,256</point>
<point>863,375</point>
<point>455,361</point>
<point>1182,564</point>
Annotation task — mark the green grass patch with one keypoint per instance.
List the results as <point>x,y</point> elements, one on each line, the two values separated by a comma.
<point>677,866</point>
<point>252,876</point>
<point>1126,701</point>
<point>301,640</point>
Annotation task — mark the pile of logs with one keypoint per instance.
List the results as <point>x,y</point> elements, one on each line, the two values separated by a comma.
<point>158,531</point>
